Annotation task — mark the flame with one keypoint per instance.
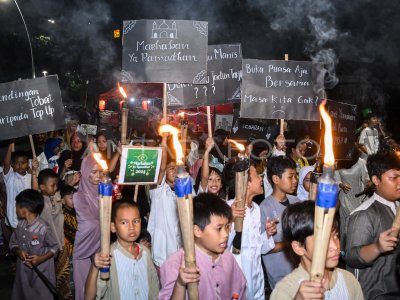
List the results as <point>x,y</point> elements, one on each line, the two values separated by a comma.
<point>100,161</point>
<point>122,91</point>
<point>239,146</point>
<point>177,145</point>
<point>182,114</point>
<point>329,158</point>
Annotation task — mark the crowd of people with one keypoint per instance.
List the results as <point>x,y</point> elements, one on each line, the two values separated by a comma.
<point>51,221</point>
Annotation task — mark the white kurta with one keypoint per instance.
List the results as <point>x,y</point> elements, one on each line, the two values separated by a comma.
<point>163,223</point>
<point>254,244</point>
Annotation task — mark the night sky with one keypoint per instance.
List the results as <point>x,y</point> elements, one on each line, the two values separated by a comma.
<point>358,39</point>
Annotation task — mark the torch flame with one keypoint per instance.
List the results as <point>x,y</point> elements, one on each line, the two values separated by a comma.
<point>182,114</point>
<point>100,161</point>
<point>239,146</point>
<point>177,145</point>
<point>329,158</point>
<point>122,91</point>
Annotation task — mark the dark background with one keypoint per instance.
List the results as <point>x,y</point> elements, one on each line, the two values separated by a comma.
<point>360,38</point>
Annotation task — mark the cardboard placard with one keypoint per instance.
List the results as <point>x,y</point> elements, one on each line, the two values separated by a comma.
<point>290,90</point>
<point>248,130</point>
<point>164,51</point>
<point>140,165</point>
<point>343,128</point>
<point>224,76</point>
<point>30,106</point>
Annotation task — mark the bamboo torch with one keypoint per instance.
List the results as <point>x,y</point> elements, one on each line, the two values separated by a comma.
<point>325,205</point>
<point>183,191</point>
<point>124,116</point>
<point>105,192</point>
<point>241,168</point>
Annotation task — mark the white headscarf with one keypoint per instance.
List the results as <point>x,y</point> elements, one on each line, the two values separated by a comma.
<point>302,194</point>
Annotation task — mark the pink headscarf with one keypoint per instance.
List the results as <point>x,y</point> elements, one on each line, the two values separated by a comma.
<point>86,203</point>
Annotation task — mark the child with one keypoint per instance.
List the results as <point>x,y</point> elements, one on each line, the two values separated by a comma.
<point>132,273</point>
<point>163,223</point>
<point>283,178</point>
<point>52,213</point>
<point>217,273</point>
<point>371,253</point>
<point>303,188</point>
<point>254,244</point>
<point>35,245</point>
<point>298,228</point>
<point>17,179</point>
<point>65,282</point>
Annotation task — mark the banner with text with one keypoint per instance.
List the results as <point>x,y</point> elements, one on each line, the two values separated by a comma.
<point>30,106</point>
<point>288,90</point>
<point>172,51</point>
<point>343,127</point>
<point>139,165</point>
<point>224,75</point>
<point>248,130</point>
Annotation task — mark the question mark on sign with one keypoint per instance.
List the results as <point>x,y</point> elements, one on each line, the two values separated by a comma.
<point>205,90</point>
<point>316,100</point>
<point>196,89</point>
<point>213,87</point>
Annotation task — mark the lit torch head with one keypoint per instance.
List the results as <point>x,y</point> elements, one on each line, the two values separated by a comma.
<point>329,158</point>
<point>177,145</point>
<point>182,114</point>
<point>100,161</point>
<point>122,91</point>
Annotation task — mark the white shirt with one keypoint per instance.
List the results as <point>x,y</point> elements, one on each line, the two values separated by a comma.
<point>163,223</point>
<point>254,244</point>
<point>267,185</point>
<point>369,137</point>
<point>132,279</point>
<point>15,183</point>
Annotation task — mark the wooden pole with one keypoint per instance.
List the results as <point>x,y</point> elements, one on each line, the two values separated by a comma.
<point>32,146</point>
<point>165,102</point>
<point>136,193</point>
<point>209,121</point>
<point>241,179</point>
<point>282,121</point>
<point>396,224</point>
<point>124,123</point>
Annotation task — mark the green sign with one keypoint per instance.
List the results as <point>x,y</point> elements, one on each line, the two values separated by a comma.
<point>139,165</point>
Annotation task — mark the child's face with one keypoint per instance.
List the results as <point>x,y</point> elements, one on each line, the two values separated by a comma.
<point>213,239</point>
<point>306,182</point>
<point>21,165</point>
<point>171,173</point>
<point>20,211</point>
<point>127,224</point>
<point>68,201</point>
<point>214,183</point>
<point>288,181</point>
<point>49,188</point>
<point>333,255</point>
<point>255,184</point>
<point>388,186</point>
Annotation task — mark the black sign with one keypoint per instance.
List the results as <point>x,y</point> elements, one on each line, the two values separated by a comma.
<point>164,51</point>
<point>30,106</point>
<point>248,130</point>
<point>281,90</point>
<point>224,75</point>
<point>343,128</point>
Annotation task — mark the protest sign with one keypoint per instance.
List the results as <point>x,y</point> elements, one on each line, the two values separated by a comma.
<point>87,129</point>
<point>288,90</point>
<point>224,75</point>
<point>172,51</point>
<point>248,130</point>
<point>139,165</point>
<point>30,106</point>
<point>343,128</point>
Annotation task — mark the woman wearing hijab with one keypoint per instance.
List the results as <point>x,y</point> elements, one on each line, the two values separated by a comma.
<point>71,160</point>
<point>303,187</point>
<point>87,239</point>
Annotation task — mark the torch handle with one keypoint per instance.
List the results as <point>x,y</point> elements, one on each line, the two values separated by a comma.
<point>396,224</point>
<point>322,231</point>
<point>240,196</point>
<point>185,211</point>
<point>124,125</point>
<point>105,221</point>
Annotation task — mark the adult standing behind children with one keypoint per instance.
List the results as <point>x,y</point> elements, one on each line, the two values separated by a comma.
<point>87,239</point>
<point>369,137</point>
<point>371,253</point>
<point>282,175</point>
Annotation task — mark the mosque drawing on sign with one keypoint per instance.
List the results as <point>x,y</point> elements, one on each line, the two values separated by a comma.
<point>164,31</point>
